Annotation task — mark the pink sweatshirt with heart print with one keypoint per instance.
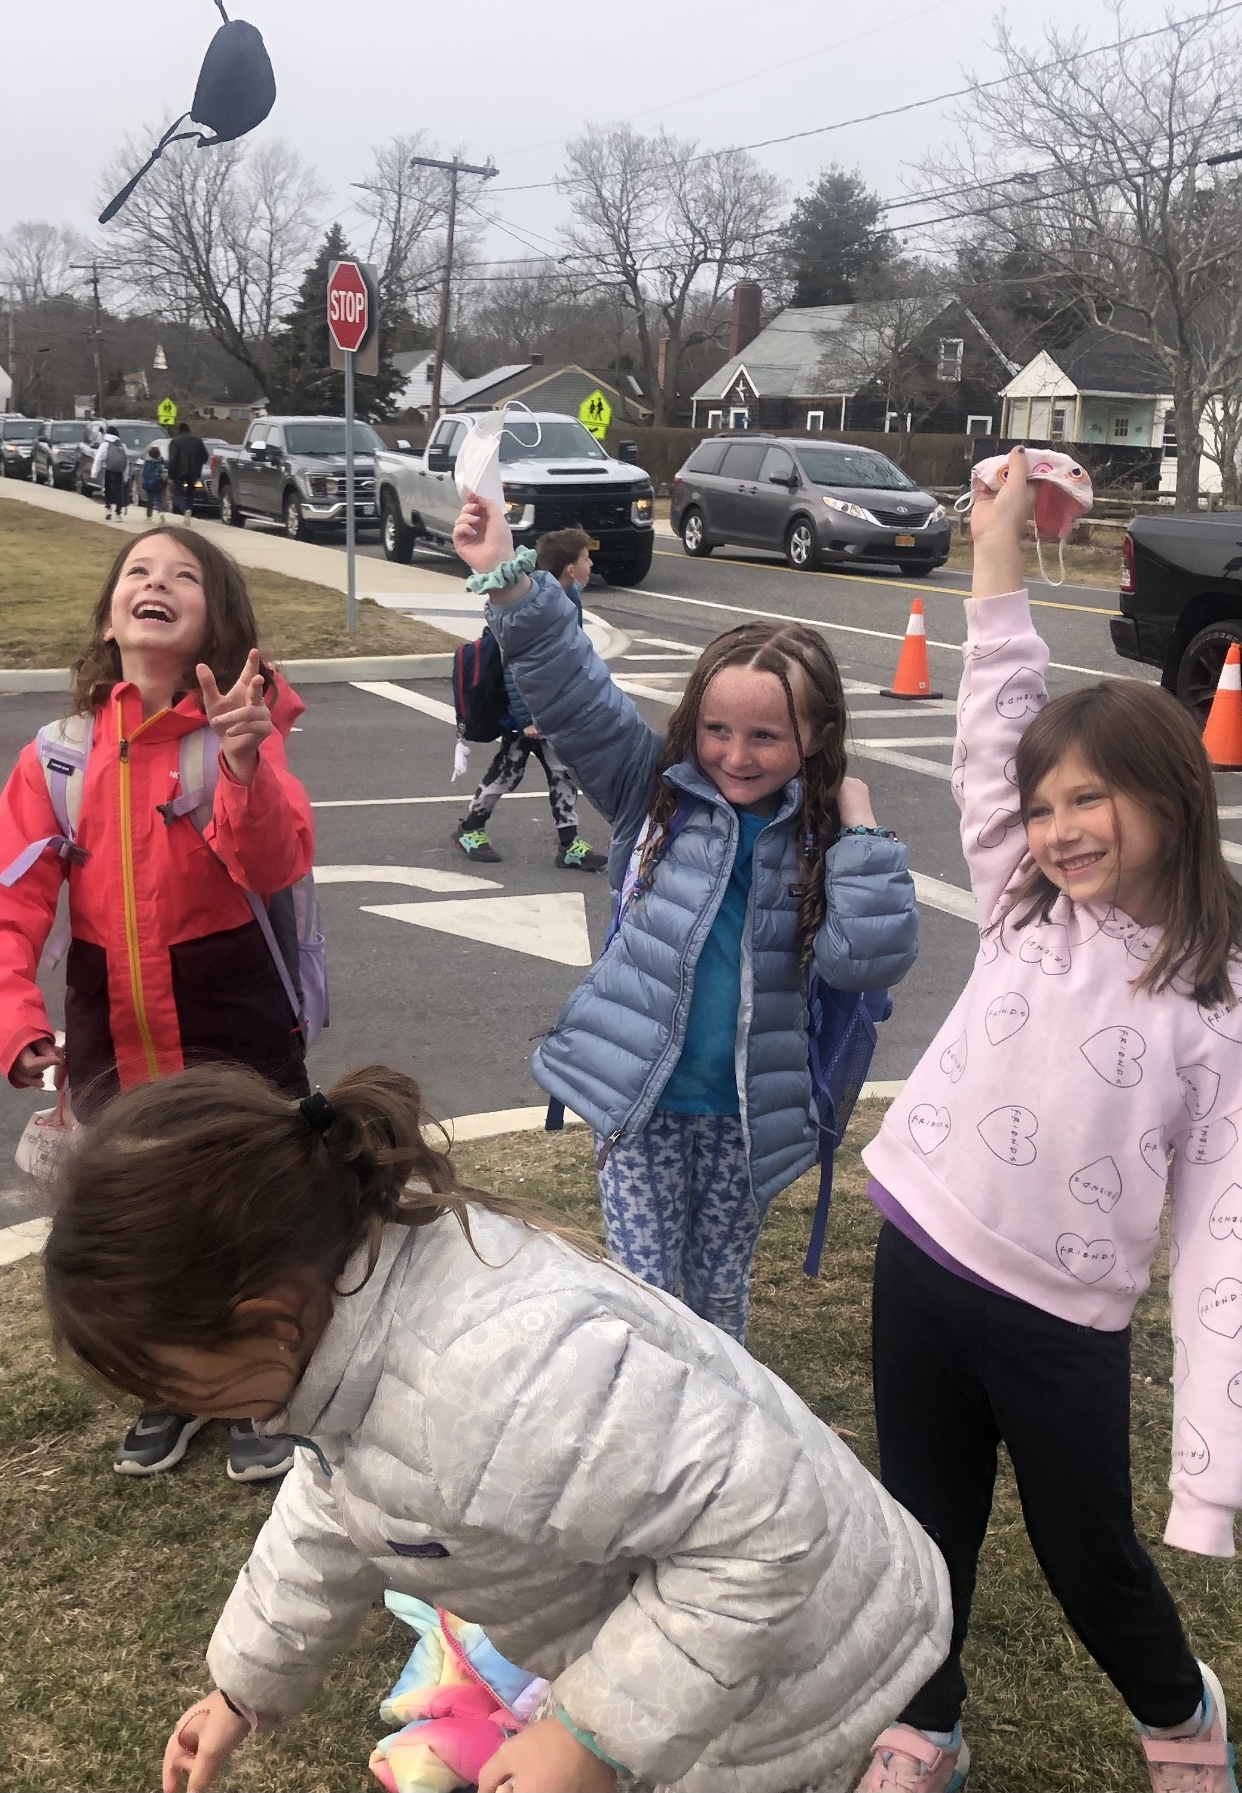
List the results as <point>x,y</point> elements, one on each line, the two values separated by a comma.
<point>1036,1137</point>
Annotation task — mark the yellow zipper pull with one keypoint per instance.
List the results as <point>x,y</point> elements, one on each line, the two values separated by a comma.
<point>123,748</point>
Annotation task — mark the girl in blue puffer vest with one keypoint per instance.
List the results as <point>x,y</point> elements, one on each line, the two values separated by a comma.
<point>685,1046</point>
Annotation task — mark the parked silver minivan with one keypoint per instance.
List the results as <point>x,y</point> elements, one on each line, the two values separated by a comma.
<point>819,503</point>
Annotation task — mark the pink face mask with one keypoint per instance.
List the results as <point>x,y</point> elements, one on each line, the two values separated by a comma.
<point>1062,490</point>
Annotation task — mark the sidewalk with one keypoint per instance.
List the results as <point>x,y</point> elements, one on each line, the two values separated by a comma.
<point>434,597</point>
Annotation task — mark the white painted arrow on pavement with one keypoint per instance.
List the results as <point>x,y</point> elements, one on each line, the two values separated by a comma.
<point>548,927</point>
<point>417,877</point>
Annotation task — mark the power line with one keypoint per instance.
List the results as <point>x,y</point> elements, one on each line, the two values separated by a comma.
<point>936,99</point>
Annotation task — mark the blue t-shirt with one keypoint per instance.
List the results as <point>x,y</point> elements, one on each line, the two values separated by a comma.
<point>704,1079</point>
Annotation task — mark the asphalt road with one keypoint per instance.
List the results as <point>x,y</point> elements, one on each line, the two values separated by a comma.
<point>447,969</point>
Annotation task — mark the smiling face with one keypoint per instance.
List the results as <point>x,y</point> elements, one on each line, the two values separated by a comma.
<point>744,737</point>
<point>159,605</point>
<point>1096,844</point>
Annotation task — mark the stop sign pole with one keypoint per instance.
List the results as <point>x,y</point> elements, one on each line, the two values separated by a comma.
<point>349,320</point>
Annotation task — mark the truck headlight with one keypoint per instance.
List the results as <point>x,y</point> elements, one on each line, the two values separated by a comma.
<point>849,510</point>
<point>317,485</point>
<point>643,509</point>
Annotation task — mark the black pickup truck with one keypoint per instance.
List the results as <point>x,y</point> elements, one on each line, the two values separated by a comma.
<point>1181,599</point>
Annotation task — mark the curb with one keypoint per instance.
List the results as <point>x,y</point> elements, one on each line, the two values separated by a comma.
<point>14,680</point>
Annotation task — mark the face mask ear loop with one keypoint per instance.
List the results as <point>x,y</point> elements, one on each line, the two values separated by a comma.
<point>538,442</point>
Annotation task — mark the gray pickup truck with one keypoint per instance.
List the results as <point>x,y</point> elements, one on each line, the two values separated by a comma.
<point>293,469</point>
<point>555,475</point>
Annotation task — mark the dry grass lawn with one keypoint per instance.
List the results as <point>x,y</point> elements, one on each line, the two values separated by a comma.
<point>1085,564</point>
<point>109,1588</point>
<point>52,566</point>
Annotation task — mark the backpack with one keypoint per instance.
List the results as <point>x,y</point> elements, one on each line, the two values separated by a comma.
<point>841,1039</point>
<point>152,474</point>
<point>479,695</point>
<point>116,460</point>
<point>289,921</point>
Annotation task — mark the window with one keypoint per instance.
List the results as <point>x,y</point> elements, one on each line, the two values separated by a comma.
<point>715,419</point>
<point>978,425</point>
<point>523,439</point>
<point>743,460</point>
<point>833,466</point>
<point>949,360</point>
<point>1121,428</point>
<point>328,437</point>
<point>1059,414</point>
<point>739,418</point>
<point>777,464</point>
<point>707,458</point>
<point>814,420</point>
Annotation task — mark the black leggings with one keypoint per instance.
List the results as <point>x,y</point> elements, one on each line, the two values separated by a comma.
<point>957,1371</point>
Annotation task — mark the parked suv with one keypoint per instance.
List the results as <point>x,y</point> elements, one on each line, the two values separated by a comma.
<point>56,451</point>
<point>17,440</point>
<point>293,469</point>
<point>137,438</point>
<point>820,503</point>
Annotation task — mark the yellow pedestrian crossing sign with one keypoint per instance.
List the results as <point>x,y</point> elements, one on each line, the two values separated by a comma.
<point>595,414</point>
<point>166,412</point>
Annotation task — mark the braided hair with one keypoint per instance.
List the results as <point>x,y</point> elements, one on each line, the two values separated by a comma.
<point>795,655</point>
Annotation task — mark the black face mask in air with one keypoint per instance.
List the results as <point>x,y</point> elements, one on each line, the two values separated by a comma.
<point>236,91</point>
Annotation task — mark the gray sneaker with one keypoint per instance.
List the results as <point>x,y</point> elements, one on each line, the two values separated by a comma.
<point>255,1459</point>
<point>156,1441</point>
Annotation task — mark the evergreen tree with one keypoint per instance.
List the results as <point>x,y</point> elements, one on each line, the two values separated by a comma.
<point>831,241</point>
<point>299,377</point>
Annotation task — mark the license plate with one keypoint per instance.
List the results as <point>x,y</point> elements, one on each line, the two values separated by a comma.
<point>593,544</point>
<point>903,541</point>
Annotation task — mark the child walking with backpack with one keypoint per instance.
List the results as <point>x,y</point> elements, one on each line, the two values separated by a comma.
<point>1094,1058</point>
<point>111,466</point>
<point>496,1423</point>
<point>758,864</point>
<point>566,554</point>
<point>170,961</point>
<point>154,480</point>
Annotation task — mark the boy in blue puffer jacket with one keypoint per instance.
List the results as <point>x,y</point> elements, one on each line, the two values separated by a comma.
<point>566,555</point>
<point>751,858</point>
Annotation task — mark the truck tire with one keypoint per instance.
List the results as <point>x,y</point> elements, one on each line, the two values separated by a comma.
<point>229,512</point>
<point>295,522</point>
<point>630,569</point>
<point>395,534</point>
<point>1198,670</point>
<point>694,534</point>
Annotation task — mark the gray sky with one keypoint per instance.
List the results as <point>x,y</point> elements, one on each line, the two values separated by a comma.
<point>512,80</point>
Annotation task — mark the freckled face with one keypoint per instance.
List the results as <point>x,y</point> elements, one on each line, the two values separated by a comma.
<point>744,740</point>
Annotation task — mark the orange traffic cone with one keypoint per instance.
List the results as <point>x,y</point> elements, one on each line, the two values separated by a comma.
<point>913,677</point>
<point>1222,738</point>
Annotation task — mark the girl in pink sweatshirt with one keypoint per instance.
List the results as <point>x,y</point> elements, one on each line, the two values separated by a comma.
<point>1093,1060</point>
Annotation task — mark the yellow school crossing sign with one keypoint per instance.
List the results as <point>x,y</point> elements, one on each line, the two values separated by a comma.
<point>166,412</point>
<point>595,414</point>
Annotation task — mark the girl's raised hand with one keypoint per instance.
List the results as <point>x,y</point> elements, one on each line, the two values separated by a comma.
<point>240,717</point>
<point>545,1758</point>
<point>998,523</point>
<point>481,536</point>
<point>203,1739</point>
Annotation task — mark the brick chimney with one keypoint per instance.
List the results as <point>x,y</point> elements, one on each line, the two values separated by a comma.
<point>747,298</point>
<point>536,361</point>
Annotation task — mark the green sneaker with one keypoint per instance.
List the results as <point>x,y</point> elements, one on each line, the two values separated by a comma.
<point>474,843</point>
<point>579,856</point>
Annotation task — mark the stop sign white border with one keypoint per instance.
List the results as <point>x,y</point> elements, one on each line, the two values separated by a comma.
<point>348,347</point>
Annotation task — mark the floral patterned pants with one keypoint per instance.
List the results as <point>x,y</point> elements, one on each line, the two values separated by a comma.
<point>678,1212</point>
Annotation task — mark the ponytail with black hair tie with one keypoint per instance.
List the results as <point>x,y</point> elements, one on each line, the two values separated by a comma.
<point>317,1112</point>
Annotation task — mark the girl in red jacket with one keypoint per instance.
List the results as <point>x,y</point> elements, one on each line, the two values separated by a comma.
<point>168,965</point>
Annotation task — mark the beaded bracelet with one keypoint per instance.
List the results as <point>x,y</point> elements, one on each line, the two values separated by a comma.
<point>879,833</point>
<point>507,573</point>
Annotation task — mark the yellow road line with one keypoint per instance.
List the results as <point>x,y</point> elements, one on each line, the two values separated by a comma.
<point>766,566</point>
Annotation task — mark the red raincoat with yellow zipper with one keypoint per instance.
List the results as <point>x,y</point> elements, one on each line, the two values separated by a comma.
<point>167,965</point>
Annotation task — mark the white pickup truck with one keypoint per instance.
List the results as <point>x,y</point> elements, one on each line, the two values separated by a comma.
<point>555,475</point>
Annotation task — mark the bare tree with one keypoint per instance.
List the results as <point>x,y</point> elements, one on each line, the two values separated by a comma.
<point>880,347</point>
<point>217,238</point>
<point>407,208</point>
<point>664,224</point>
<point>1097,169</point>
<point>36,260</point>
<point>1222,442</point>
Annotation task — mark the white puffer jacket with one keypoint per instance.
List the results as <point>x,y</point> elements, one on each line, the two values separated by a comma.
<point>623,1498</point>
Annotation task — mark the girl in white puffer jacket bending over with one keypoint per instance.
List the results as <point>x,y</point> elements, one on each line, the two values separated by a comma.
<point>499,1423</point>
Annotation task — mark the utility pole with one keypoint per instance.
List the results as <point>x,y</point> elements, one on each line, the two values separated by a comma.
<point>92,268</point>
<point>12,367</point>
<point>453,169</point>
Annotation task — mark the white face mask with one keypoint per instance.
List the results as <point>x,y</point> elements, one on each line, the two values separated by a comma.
<point>478,458</point>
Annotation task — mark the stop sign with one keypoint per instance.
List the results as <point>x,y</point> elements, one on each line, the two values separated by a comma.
<point>348,305</point>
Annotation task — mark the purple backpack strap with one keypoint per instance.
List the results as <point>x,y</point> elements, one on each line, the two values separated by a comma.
<point>63,747</point>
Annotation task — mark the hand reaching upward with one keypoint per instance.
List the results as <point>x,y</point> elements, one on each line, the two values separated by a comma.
<point>240,717</point>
